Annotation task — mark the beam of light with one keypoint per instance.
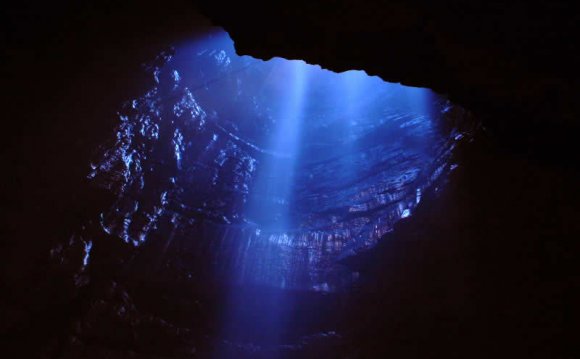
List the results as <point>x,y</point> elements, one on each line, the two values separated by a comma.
<point>256,312</point>
<point>274,183</point>
<point>352,89</point>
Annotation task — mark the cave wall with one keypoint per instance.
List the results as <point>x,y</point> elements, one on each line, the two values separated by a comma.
<point>65,69</point>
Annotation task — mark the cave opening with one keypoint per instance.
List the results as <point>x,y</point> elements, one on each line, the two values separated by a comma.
<point>265,175</point>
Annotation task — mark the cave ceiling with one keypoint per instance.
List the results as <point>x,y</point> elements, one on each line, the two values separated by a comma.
<point>511,63</point>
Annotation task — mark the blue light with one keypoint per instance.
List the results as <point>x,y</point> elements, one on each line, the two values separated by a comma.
<point>300,117</point>
<point>269,171</point>
<point>331,156</point>
<point>275,179</point>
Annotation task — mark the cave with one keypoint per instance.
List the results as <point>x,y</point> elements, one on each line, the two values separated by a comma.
<point>197,179</point>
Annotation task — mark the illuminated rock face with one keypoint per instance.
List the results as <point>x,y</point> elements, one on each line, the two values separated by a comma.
<point>270,172</point>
